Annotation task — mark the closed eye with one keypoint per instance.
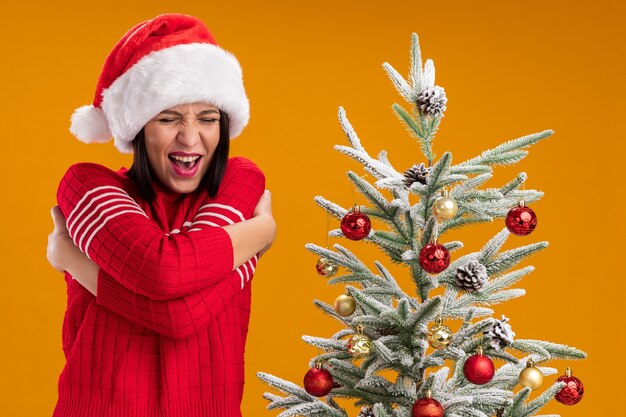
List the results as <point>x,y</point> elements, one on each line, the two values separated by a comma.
<point>170,120</point>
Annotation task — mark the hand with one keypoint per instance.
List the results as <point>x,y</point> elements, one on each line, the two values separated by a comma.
<point>64,255</point>
<point>59,241</point>
<point>263,209</point>
<point>264,206</point>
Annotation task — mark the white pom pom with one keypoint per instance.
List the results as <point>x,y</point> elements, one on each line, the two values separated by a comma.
<point>89,124</point>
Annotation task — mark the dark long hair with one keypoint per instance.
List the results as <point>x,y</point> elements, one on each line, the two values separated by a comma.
<point>141,173</point>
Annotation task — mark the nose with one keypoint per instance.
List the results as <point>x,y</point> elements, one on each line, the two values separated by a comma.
<point>188,134</point>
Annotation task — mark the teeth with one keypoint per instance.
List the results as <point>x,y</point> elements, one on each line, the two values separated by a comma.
<point>185,158</point>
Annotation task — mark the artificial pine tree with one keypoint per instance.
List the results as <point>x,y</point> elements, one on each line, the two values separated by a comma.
<point>391,330</point>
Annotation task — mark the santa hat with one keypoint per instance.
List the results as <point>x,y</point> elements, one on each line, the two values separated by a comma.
<point>169,60</point>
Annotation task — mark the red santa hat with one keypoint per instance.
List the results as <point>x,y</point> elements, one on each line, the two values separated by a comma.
<point>160,63</point>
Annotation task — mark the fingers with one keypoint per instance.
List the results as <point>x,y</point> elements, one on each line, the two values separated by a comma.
<point>56,214</point>
<point>264,206</point>
<point>267,195</point>
<point>58,219</point>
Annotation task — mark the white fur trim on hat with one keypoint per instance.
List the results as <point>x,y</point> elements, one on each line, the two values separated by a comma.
<point>89,124</point>
<point>182,74</point>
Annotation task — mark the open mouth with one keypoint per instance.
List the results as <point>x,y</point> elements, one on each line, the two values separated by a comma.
<point>185,162</point>
<point>184,165</point>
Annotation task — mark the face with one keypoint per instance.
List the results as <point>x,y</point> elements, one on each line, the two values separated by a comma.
<point>180,143</point>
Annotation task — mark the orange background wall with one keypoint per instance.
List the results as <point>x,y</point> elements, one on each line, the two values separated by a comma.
<point>509,69</point>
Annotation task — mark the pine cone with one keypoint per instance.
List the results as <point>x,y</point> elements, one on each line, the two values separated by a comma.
<point>500,335</point>
<point>417,173</point>
<point>366,412</point>
<point>432,101</point>
<point>472,276</point>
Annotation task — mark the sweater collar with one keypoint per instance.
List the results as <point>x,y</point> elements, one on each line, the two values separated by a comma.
<point>161,190</point>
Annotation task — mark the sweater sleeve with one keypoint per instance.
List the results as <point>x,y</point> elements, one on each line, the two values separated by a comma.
<point>176,318</point>
<point>114,231</point>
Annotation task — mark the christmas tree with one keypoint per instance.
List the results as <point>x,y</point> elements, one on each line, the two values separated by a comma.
<point>396,356</point>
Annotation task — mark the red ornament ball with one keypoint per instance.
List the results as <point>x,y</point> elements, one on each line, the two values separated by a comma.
<point>521,221</point>
<point>356,225</point>
<point>479,369</point>
<point>318,382</point>
<point>434,258</point>
<point>427,407</point>
<point>571,393</point>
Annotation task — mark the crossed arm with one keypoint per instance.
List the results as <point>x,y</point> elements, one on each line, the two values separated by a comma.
<point>170,313</point>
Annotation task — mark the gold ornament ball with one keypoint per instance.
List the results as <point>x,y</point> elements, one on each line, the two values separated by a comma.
<point>531,377</point>
<point>440,335</point>
<point>345,305</point>
<point>326,267</point>
<point>445,208</point>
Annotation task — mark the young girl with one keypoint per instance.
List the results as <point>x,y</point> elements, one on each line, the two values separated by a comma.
<point>158,259</point>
